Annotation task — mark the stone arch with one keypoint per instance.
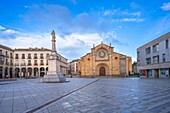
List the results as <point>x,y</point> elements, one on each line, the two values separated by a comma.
<point>17,72</point>
<point>30,72</point>
<point>42,71</point>
<point>102,66</point>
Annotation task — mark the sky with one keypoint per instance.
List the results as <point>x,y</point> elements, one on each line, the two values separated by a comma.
<point>78,24</point>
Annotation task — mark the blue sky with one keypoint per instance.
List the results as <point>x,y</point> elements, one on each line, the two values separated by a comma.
<point>79,24</point>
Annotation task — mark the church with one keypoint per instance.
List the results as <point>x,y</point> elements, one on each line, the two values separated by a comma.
<point>103,61</point>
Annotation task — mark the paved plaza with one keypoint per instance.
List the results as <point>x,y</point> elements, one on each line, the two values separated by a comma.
<point>86,95</point>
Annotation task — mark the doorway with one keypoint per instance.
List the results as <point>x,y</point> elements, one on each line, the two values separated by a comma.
<point>102,71</point>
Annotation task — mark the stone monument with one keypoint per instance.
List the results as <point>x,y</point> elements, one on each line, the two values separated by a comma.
<point>54,73</point>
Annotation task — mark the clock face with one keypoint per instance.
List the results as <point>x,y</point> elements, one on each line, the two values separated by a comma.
<point>102,54</point>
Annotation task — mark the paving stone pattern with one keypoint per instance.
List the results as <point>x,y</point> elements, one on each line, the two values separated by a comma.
<point>107,95</point>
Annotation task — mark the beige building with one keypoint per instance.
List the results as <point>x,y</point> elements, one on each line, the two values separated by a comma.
<point>33,62</point>
<point>104,61</point>
<point>30,62</point>
<point>6,62</point>
<point>74,67</point>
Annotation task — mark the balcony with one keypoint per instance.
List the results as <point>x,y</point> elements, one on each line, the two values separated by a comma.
<point>7,63</point>
<point>29,64</point>
<point>1,62</point>
<point>16,64</point>
<point>16,57</point>
<point>11,57</point>
<point>35,57</point>
<point>7,55</point>
<point>41,57</point>
<point>22,64</point>
<point>2,54</point>
<point>11,64</point>
<point>29,57</point>
<point>41,63</point>
<point>35,64</point>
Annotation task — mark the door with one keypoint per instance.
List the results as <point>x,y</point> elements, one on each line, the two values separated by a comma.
<point>102,71</point>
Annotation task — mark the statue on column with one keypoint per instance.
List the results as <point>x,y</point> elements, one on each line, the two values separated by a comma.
<point>53,74</point>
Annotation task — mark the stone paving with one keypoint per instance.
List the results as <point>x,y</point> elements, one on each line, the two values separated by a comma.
<point>87,95</point>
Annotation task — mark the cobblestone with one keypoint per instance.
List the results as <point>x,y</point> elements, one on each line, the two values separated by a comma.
<point>107,95</point>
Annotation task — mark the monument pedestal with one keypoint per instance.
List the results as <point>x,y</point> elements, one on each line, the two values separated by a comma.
<point>54,75</point>
<point>53,78</point>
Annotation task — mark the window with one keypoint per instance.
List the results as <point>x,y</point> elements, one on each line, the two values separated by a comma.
<point>47,55</point>
<point>41,56</point>
<point>11,63</point>
<point>6,54</point>
<point>148,60</point>
<point>7,63</point>
<point>138,54</point>
<point>29,56</point>
<point>35,55</point>
<point>35,62</point>
<point>166,44</point>
<point>138,62</point>
<point>29,62</point>
<point>41,63</point>
<point>148,50</point>
<point>11,55</point>
<point>155,48</point>
<point>23,56</point>
<point>163,58</point>
<point>1,52</point>
<point>16,56</point>
<point>156,59</point>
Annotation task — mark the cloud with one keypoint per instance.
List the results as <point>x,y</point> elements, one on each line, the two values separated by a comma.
<point>72,46</point>
<point>118,12</point>
<point>2,28</point>
<point>166,6</point>
<point>131,20</point>
<point>133,59</point>
<point>109,12</point>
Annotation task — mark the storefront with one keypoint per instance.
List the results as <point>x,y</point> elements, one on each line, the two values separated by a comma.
<point>164,73</point>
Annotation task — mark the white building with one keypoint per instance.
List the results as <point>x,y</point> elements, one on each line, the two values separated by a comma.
<point>153,58</point>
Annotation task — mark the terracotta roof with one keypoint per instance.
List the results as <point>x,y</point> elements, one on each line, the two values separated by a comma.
<point>32,49</point>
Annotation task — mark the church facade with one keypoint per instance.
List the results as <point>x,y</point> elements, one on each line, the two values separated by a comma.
<point>103,61</point>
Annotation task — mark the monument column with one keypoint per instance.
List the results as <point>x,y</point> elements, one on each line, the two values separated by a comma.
<point>54,74</point>
<point>53,42</point>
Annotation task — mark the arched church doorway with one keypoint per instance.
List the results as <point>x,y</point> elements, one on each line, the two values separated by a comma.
<point>102,71</point>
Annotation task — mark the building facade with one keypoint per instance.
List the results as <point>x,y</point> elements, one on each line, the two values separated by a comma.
<point>74,67</point>
<point>104,61</point>
<point>6,62</point>
<point>153,58</point>
<point>31,62</point>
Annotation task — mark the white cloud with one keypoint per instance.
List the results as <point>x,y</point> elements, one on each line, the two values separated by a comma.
<point>10,31</point>
<point>133,59</point>
<point>165,6</point>
<point>109,12</point>
<point>131,20</point>
<point>2,28</point>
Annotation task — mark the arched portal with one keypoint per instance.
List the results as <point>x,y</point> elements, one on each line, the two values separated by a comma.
<point>102,71</point>
<point>29,71</point>
<point>42,72</point>
<point>17,72</point>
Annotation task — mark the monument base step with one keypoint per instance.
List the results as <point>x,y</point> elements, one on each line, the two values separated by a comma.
<point>54,78</point>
